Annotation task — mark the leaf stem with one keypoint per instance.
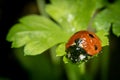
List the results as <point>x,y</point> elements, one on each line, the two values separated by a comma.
<point>55,59</point>
<point>41,7</point>
<point>105,63</point>
<point>82,68</point>
<point>72,71</point>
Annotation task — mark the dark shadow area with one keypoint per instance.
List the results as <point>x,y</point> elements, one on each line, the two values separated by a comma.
<point>11,11</point>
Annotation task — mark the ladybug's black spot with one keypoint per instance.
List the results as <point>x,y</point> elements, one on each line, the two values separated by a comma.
<point>95,47</point>
<point>91,35</point>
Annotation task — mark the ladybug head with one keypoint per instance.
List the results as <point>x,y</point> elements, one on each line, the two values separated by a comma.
<point>76,53</point>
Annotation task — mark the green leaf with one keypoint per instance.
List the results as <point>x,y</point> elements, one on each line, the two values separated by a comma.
<point>111,15</point>
<point>14,30</point>
<point>116,29</point>
<point>103,37</point>
<point>20,39</point>
<point>37,47</point>
<point>39,22</point>
<point>36,33</point>
<point>65,59</point>
<point>73,15</point>
<point>61,50</point>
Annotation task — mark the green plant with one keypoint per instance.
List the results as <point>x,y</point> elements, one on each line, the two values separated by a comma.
<point>38,33</point>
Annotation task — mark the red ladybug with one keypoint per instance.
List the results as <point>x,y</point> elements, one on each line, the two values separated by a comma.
<point>82,45</point>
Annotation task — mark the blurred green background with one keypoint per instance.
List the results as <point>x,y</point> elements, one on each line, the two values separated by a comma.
<point>15,66</point>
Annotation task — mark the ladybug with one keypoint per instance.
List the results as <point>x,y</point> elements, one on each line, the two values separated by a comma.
<point>82,46</point>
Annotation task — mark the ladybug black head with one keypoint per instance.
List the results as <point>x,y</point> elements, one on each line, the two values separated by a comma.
<point>76,53</point>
